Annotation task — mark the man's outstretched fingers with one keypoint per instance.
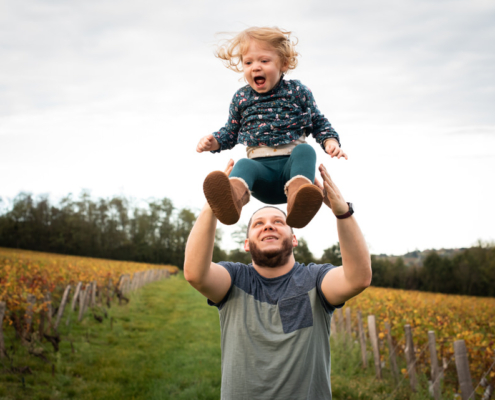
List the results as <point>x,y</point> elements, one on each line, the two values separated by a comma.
<point>325,195</point>
<point>338,204</point>
<point>230,165</point>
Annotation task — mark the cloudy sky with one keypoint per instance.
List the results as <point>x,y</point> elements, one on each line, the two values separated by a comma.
<point>112,96</point>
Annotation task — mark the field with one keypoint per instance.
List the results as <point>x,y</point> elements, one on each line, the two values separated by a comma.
<point>43,277</point>
<point>165,343</point>
<point>452,318</point>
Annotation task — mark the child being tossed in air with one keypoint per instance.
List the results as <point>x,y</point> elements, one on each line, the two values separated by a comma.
<point>272,117</point>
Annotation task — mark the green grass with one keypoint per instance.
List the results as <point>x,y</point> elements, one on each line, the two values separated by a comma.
<point>165,344</point>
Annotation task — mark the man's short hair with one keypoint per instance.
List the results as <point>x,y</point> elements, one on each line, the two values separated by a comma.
<point>251,219</point>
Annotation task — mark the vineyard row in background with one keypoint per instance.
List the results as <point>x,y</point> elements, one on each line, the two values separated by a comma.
<point>36,289</point>
<point>416,360</point>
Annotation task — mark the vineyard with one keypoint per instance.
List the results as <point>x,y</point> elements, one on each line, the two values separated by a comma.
<point>451,317</point>
<point>34,285</point>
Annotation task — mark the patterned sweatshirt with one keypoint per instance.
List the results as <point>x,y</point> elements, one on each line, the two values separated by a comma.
<point>275,118</point>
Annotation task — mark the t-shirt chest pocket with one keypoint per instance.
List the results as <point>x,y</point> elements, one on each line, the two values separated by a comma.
<point>296,313</point>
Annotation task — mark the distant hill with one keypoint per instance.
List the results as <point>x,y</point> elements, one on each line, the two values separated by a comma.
<point>416,257</point>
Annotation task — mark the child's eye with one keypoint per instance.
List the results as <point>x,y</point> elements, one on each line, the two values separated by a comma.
<point>247,62</point>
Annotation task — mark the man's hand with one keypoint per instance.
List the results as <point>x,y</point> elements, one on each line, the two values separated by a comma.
<point>333,149</point>
<point>230,165</point>
<point>331,193</point>
<point>207,143</point>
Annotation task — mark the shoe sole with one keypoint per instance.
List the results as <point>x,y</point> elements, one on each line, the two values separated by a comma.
<point>306,204</point>
<point>219,195</point>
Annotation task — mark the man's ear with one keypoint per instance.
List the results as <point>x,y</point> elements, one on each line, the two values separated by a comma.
<point>294,241</point>
<point>246,245</point>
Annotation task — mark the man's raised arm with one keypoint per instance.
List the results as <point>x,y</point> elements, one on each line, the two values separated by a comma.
<point>342,283</point>
<point>211,280</point>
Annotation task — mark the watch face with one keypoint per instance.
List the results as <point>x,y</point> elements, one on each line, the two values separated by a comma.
<point>351,208</point>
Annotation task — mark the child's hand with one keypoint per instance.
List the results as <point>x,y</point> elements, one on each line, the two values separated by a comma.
<point>332,148</point>
<point>207,143</point>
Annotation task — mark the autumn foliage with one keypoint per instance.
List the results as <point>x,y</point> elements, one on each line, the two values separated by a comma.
<point>451,317</point>
<point>24,273</point>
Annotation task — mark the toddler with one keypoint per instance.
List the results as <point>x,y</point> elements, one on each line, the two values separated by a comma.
<point>272,117</point>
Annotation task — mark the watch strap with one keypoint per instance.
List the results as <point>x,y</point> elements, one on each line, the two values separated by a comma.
<point>348,213</point>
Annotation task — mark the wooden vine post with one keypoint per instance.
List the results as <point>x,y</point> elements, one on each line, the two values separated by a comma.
<point>93,293</point>
<point>362,339</point>
<point>31,300</point>
<point>333,326</point>
<point>374,344</point>
<point>61,308</point>
<point>3,309</point>
<point>348,328</point>
<point>45,315</point>
<point>411,358</point>
<point>391,351</point>
<point>82,301</point>
<point>340,322</point>
<point>435,370</point>
<point>76,295</point>
<point>463,373</point>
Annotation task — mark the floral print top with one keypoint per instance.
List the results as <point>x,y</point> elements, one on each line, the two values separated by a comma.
<point>277,117</point>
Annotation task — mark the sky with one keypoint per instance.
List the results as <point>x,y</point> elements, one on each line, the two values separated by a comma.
<point>112,97</point>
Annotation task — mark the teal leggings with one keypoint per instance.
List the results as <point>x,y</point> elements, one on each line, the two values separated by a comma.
<point>266,176</point>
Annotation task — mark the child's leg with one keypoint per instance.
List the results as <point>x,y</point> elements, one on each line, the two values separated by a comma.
<point>303,197</point>
<point>263,177</point>
<point>302,162</point>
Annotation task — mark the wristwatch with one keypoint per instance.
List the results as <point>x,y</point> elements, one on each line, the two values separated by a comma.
<point>348,213</point>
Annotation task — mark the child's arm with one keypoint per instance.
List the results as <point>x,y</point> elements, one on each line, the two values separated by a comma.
<point>226,137</point>
<point>323,131</point>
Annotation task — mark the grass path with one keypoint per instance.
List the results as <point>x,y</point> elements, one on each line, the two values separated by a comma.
<point>165,344</point>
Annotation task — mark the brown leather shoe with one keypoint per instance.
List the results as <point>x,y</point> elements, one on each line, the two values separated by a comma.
<point>225,196</point>
<point>303,201</point>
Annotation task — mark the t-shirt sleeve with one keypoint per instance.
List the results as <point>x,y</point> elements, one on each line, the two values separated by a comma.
<point>232,269</point>
<point>324,268</point>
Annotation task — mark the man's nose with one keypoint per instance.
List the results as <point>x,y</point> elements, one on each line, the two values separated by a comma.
<point>268,226</point>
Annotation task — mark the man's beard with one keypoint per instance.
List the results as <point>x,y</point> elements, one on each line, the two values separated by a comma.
<point>273,258</point>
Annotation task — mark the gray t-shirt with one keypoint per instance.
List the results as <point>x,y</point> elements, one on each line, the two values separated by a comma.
<point>275,335</point>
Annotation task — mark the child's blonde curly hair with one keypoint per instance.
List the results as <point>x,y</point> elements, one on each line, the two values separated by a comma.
<point>232,50</point>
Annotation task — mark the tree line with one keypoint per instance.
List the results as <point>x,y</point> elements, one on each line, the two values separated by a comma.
<point>117,228</point>
<point>471,272</point>
<point>155,231</point>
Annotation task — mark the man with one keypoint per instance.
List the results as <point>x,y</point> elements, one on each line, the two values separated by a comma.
<point>275,314</point>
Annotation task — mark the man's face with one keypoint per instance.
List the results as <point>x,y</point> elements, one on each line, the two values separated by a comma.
<point>270,239</point>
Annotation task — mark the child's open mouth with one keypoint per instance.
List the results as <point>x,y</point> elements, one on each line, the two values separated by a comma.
<point>259,80</point>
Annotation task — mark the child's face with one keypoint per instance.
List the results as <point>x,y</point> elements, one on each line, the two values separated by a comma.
<point>262,67</point>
